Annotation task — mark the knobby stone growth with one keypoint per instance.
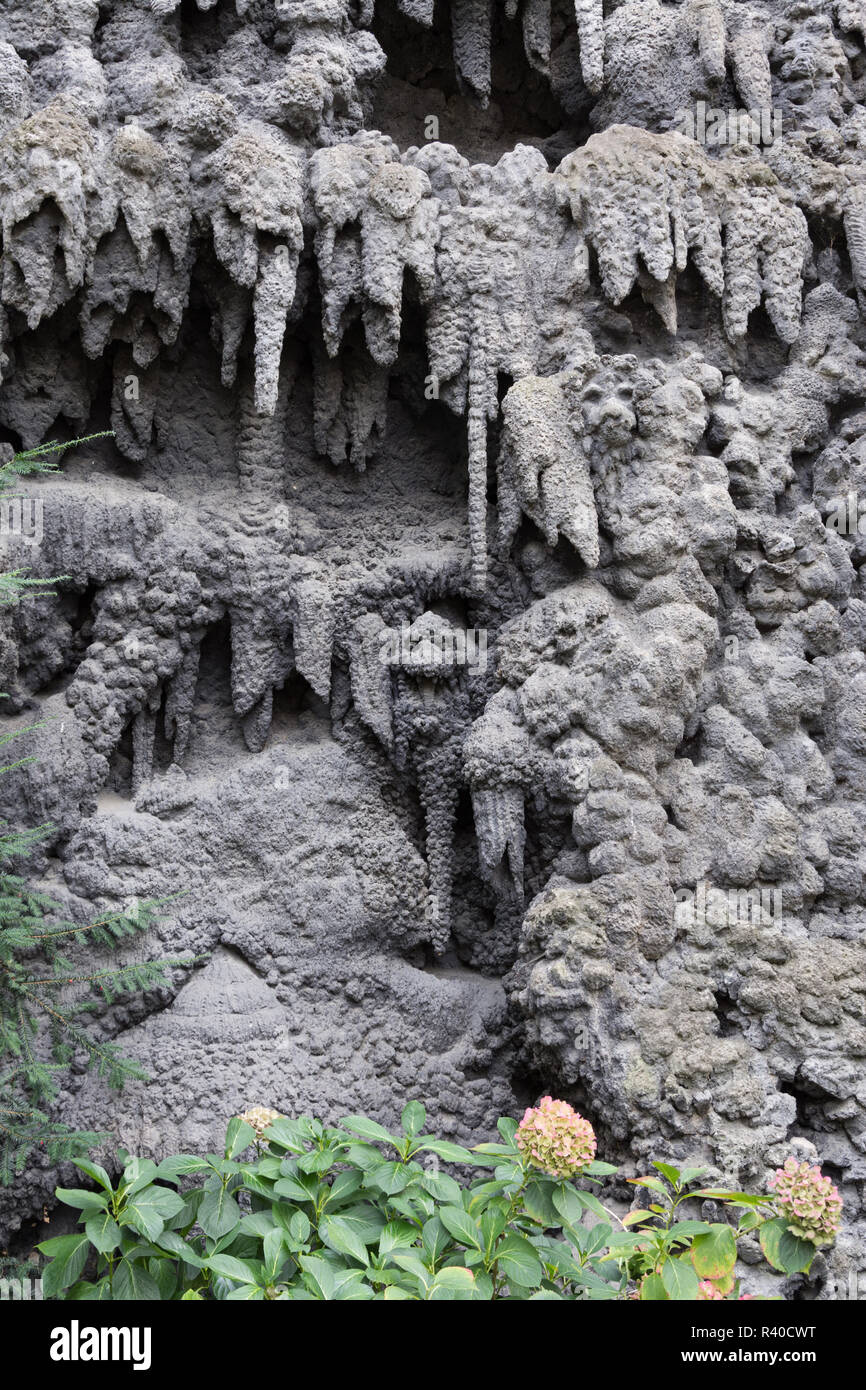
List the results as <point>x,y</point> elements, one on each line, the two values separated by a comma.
<point>411,326</point>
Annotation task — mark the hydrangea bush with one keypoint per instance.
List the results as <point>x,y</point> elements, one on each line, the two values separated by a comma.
<point>296,1210</point>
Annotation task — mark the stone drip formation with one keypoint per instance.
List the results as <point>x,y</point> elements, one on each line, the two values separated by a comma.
<point>559,374</point>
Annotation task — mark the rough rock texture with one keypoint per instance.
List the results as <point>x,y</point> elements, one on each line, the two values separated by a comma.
<point>410,332</point>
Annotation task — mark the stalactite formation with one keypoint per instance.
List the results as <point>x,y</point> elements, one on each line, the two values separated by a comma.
<point>470,592</point>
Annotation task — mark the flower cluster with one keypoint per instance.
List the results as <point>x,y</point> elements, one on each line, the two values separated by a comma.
<point>259,1117</point>
<point>708,1292</point>
<point>810,1202</point>
<point>554,1138</point>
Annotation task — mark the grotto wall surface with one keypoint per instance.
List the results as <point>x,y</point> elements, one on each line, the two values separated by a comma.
<point>467,611</point>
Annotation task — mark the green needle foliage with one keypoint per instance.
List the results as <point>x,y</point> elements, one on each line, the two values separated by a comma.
<point>44,996</point>
<point>45,458</point>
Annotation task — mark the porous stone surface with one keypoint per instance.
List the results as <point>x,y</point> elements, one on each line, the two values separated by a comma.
<point>461,613</point>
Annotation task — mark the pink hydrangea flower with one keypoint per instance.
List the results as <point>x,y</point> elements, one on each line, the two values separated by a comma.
<point>708,1292</point>
<point>810,1202</point>
<point>554,1138</point>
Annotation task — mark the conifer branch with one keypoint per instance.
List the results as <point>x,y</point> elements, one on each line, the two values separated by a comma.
<point>25,933</point>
